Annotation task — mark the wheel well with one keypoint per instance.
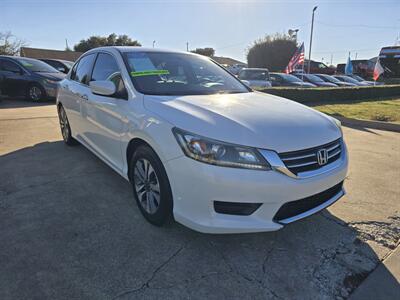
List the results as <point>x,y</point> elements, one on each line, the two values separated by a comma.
<point>132,146</point>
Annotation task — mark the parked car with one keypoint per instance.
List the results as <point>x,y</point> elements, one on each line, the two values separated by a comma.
<point>389,58</point>
<point>331,79</point>
<point>255,77</point>
<point>212,154</point>
<point>61,65</point>
<point>282,79</point>
<point>348,79</point>
<point>361,67</point>
<point>32,78</point>
<point>311,78</point>
<point>360,79</point>
<point>316,67</point>
<point>235,69</point>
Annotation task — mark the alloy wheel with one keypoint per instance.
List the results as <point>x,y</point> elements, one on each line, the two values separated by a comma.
<point>35,93</point>
<point>64,124</point>
<point>147,186</point>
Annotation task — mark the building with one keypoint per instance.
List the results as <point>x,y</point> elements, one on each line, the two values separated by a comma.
<point>48,53</point>
<point>227,61</point>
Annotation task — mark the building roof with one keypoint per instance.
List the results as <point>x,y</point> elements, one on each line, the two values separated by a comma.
<point>48,53</point>
<point>227,60</point>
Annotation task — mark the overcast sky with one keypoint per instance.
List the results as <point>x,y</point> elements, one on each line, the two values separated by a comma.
<point>362,27</point>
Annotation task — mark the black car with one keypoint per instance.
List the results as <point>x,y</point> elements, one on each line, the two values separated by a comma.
<point>349,79</point>
<point>32,78</point>
<point>329,78</point>
<point>59,64</point>
<point>311,78</point>
<point>282,79</point>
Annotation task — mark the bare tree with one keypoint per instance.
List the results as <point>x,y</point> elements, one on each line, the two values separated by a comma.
<point>10,44</point>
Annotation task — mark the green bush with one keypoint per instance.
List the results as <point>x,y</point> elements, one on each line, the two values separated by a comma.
<point>334,95</point>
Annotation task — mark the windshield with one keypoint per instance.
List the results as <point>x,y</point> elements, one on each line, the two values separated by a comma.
<point>313,78</point>
<point>349,79</point>
<point>159,73</point>
<point>331,78</point>
<point>36,65</point>
<point>290,78</point>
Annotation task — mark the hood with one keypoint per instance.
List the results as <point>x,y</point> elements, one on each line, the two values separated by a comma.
<point>251,119</point>
<point>52,76</point>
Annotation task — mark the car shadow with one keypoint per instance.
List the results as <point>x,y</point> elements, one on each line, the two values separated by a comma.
<point>18,102</point>
<point>69,228</point>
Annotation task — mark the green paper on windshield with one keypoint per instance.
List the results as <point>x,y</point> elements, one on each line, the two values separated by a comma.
<point>26,64</point>
<point>149,73</point>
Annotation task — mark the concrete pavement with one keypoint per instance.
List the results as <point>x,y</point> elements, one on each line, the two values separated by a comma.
<point>69,228</point>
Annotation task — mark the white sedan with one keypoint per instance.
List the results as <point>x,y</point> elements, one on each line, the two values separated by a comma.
<point>197,145</point>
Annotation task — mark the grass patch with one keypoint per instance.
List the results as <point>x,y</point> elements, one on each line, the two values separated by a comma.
<point>377,110</point>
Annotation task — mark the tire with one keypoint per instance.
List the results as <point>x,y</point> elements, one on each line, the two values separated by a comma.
<point>35,92</point>
<point>65,128</point>
<point>155,206</point>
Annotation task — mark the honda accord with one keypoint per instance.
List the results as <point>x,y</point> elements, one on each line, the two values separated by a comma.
<point>199,146</point>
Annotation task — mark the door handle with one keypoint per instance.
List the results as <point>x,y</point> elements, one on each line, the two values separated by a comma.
<point>84,97</point>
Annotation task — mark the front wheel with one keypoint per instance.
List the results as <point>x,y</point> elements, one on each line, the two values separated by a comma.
<point>151,186</point>
<point>35,92</point>
<point>65,128</point>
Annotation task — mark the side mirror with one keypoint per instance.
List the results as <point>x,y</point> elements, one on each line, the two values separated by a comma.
<point>247,83</point>
<point>103,87</point>
<point>61,69</point>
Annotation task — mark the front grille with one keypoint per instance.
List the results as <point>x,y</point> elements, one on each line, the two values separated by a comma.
<point>306,160</point>
<point>294,208</point>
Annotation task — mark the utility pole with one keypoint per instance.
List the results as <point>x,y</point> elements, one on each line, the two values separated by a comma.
<point>312,29</point>
<point>154,43</point>
<point>187,46</point>
<point>66,44</point>
<point>331,59</point>
<point>356,55</point>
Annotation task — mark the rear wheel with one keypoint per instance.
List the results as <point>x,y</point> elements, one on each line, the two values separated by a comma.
<point>151,186</point>
<point>65,128</point>
<point>35,92</point>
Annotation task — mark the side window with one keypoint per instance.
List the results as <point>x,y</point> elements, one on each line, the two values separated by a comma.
<point>10,67</point>
<point>106,68</point>
<point>83,69</point>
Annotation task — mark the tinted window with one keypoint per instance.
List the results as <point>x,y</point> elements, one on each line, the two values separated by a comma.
<point>9,66</point>
<point>159,73</point>
<point>83,69</point>
<point>106,68</point>
<point>35,65</point>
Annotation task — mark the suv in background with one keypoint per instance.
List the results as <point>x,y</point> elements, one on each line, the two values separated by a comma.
<point>255,77</point>
<point>317,67</point>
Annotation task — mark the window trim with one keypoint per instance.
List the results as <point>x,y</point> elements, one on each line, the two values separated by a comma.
<point>5,59</point>
<point>77,64</point>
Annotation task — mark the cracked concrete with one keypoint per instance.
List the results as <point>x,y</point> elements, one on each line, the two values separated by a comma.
<point>69,229</point>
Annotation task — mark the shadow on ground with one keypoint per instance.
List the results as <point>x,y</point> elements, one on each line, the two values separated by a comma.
<point>69,229</point>
<point>17,102</point>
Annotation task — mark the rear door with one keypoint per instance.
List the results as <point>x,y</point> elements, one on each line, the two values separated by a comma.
<point>104,114</point>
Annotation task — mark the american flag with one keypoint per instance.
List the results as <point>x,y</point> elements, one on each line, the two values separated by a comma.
<point>297,59</point>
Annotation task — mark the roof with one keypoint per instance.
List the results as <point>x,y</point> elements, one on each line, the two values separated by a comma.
<point>48,53</point>
<point>227,61</point>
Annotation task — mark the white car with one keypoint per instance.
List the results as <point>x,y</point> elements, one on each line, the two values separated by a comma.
<point>256,78</point>
<point>197,145</point>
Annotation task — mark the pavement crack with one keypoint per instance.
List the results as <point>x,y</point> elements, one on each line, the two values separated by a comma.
<point>146,284</point>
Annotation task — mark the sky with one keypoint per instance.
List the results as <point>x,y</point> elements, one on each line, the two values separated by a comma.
<point>230,27</point>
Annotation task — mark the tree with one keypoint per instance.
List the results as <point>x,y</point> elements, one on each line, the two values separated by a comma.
<point>99,41</point>
<point>10,44</point>
<point>205,51</point>
<point>271,52</point>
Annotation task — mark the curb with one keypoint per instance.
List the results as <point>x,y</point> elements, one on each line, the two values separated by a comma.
<point>369,124</point>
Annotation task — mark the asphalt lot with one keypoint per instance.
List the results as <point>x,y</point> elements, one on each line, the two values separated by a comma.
<point>69,228</point>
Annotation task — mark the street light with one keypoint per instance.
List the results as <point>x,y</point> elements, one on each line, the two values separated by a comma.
<point>312,29</point>
<point>154,43</point>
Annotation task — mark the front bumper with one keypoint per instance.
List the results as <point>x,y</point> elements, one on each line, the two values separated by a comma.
<point>196,186</point>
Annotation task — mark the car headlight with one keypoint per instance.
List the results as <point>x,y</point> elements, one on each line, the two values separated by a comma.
<point>338,124</point>
<point>218,153</point>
